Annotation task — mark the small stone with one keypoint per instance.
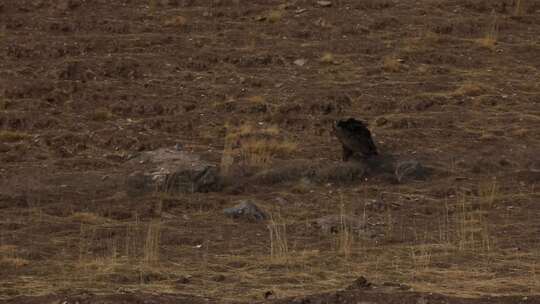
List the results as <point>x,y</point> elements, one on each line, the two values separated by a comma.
<point>300,62</point>
<point>219,278</point>
<point>4,148</point>
<point>269,295</point>
<point>171,171</point>
<point>183,280</point>
<point>381,121</point>
<point>247,210</point>
<point>360,283</point>
<point>324,3</point>
<point>336,222</point>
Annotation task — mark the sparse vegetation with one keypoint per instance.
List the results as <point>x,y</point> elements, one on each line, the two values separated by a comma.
<point>518,10</point>
<point>327,58</point>
<point>153,4</point>
<point>102,114</point>
<point>346,240</point>
<point>9,258</point>
<point>472,229</point>
<point>3,104</point>
<point>152,242</point>
<point>254,146</point>
<point>178,21</point>
<point>392,64</point>
<point>279,248</point>
<point>469,89</point>
<point>90,88</point>
<point>275,16</point>
<point>12,136</point>
<point>489,41</point>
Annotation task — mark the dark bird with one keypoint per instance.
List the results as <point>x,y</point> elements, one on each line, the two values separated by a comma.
<point>355,137</point>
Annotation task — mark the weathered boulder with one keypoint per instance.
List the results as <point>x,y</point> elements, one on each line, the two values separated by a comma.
<point>170,170</point>
<point>246,210</point>
<point>409,169</point>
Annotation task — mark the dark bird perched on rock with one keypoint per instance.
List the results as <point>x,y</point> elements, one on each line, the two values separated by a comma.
<point>355,138</point>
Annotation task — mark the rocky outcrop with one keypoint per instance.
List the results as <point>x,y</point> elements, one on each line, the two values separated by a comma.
<point>172,171</point>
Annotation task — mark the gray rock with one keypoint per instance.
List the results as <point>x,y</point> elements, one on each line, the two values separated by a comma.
<point>247,210</point>
<point>4,148</point>
<point>409,169</point>
<point>300,62</point>
<point>173,171</point>
<point>324,3</point>
<point>336,222</point>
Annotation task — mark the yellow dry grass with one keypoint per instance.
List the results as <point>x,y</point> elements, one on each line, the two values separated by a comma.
<point>392,64</point>
<point>12,136</point>
<point>327,58</point>
<point>177,21</point>
<point>254,145</point>
<point>275,16</point>
<point>88,218</point>
<point>489,41</point>
<point>102,114</point>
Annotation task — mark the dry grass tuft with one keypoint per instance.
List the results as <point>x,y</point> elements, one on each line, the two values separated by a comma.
<point>392,64</point>
<point>12,136</point>
<point>153,4</point>
<point>88,218</point>
<point>102,114</point>
<point>3,104</point>
<point>254,146</point>
<point>9,258</point>
<point>256,99</point>
<point>421,256</point>
<point>279,249</point>
<point>490,40</point>
<point>151,245</point>
<point>13,262</point>
<point>274,16</point>
<point>470,89</point>
<point>518,9</point>
<point>345,241</point>
<point>177,21</point>
<point>488,192</point>
<point>472,228</point>
<point>327,58</point>
<point>261,152</point>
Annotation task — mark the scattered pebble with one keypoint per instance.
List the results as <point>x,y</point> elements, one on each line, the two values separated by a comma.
<point>300,62</point>
<point>324,3</point>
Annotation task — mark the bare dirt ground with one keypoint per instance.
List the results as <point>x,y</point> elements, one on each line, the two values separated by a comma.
<point>453,84</point>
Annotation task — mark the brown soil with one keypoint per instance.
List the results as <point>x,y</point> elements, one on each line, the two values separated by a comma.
<point>85,85</point>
